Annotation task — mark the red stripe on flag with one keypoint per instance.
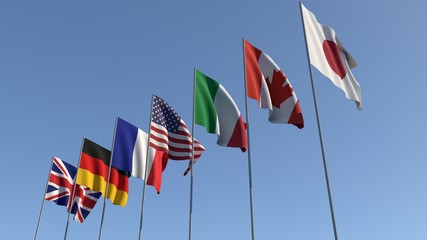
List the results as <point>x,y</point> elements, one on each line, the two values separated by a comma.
<point>94,165</point>
<point>182,150</point>
<point>179,145</point>
<point>86,201</point>
<point>56,196</point>
<point>253,72</point>
<point>196,156</point>
<point>296,117</point>
<point>238,138</point>
<point>60,166</point>
<point>120,181</point>
<point>180,141</point>
<point>60,181</point>
<point>159,148</point>
<point>159,164</point>
<point>161,131</point>
<point>159,139</point>
<point>97,167</point>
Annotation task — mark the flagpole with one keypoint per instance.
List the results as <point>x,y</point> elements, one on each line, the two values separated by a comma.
<point>146,170</point>
<point>319,130</point>
<point>249,143</point>
<point>108,182</point>
<point>44,195</point>
<point>192,160</point>
<point>70,201</point>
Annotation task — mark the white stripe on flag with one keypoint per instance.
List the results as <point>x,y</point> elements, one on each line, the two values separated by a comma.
<point>227,115</point>
<point>139,155</point>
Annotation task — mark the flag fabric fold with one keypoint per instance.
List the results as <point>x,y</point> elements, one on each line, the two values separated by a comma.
<point>84,201</point>
<point>93,173</point>
<point>267,84</point>
<point>130,150</point>
<point>329,56</point>
<point>60,188</point>
<point>170,134</point>
<point>218,113</point>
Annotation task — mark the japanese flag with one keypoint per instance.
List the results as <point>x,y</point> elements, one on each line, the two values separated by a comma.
<point>330,57</point>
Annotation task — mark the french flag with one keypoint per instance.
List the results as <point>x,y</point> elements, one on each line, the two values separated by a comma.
<point>130,154</point>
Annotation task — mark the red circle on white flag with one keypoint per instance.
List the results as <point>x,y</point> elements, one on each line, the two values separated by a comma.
<point>332,54</point>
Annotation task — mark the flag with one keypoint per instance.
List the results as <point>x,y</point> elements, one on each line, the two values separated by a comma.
<point>218,113</point>
<point>169,133</point>
<point>61,182</point>
<point>84,201</point>
<point>130,150</point>
<point>93,173</point>
<point>60,188</point>
<point>267,84</point>
<point>330,57</point>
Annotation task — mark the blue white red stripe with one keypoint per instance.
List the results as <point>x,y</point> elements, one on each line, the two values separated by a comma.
<point>130,154</point>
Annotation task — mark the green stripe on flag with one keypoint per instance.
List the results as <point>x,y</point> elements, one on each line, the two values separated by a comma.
<point>206,114</point>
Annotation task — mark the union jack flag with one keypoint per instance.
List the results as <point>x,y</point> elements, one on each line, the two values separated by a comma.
<point>60,187</point>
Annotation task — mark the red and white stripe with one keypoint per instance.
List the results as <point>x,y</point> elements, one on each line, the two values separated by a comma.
<point>178,145</point>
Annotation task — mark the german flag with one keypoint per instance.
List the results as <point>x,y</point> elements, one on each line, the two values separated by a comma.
<point>93,173</point>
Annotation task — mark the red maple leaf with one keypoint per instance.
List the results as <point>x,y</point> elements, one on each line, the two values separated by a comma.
<point>278,92</point>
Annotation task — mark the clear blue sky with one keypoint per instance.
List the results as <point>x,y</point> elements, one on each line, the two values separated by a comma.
<point>68,68</point>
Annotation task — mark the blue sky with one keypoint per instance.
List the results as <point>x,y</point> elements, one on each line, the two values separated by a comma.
<point>68,69</point>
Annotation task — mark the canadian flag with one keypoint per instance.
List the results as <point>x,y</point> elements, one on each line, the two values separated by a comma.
<point>267,84</point>
<point>330,57</point>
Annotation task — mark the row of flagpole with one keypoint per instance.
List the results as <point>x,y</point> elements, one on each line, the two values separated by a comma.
<point>106,193</point>
<point>326,175</point>
<point>192,157</point>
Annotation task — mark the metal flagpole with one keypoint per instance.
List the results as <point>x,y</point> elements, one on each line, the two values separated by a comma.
<point>44,194</point>
<point>146,171</point>
<point>70,201</point>
<point>319,130</point>
<point>108,181</point>
<point>249,143</point>
<point>192,160</point>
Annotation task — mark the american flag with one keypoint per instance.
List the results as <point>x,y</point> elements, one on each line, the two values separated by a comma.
<point>60,187</point>
<point>170,134</point>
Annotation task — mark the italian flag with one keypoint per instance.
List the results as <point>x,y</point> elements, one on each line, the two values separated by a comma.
<point>218,113</point>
